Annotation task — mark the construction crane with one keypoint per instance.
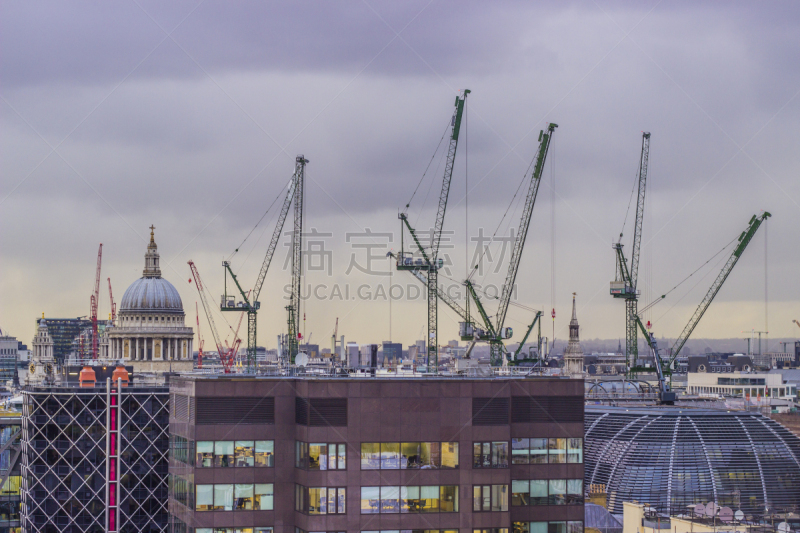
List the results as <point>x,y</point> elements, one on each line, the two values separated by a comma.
<point>113,303</point>
<point>497,332</point>
<point>226,355</point>
<point>744,240</point>
<point>625,283</point>
<point>664,368</point>
<point>432,263</point>
<point>94,301</point>
<point>199,338</point>
<point>797,323</point>
<point>527,334</point>
<point>293,309</point>
<point>333,338</point>
<point>250,303</point>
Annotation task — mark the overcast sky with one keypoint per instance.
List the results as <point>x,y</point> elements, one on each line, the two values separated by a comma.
<point>188,115</point>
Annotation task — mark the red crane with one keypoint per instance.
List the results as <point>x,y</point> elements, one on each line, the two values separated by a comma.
<point>226,355</point>
<point>113,305</point>
<point>94,300</point>
<point>199,338</point>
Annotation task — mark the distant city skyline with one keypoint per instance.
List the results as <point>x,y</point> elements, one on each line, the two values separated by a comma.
<point>137,118</point>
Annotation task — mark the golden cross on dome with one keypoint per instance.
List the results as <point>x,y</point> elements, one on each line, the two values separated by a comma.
<point>152,229</point>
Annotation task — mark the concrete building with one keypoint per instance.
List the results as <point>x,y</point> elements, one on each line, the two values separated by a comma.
<point>9,355</point>
<point>95,459</point>
<point>150,332</point>
<point>440,454</point>
<point>573,355</point>
<point>741,385</point>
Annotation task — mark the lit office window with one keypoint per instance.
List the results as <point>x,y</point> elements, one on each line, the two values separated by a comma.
<point>490,454</point>
<point>489,498</point>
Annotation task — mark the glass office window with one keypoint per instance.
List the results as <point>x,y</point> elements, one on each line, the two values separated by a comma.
<point>558,491</point>
<point>205,453</point>
<point>409,500</point>
<point>390,499</point>
<point>243,450</point>
<point>410,455</point>
<point>263,497</point>
<point>490,454</point>
<point>300,454</point>
<point>390,455</point>
<point>519,451</point>
<point>370,455</point>
<point>448,499</point>
<point>341,457</point>
<point>538,494</point>
<point>556,527</point>
<point>223,453</point>
<point>499,455</point>
<point>575,526</point>
<point>449,455</point>
<point>575,450</point>
<point>429,496</point>
<point>499,497</point>
<point>204,498</point>
<point>243,496</point>
<point>264,453</point>
<point>574,492</point>
<point>490,498</point>
<point>340,501</point>
<point>538,451</point>
<point>223,496</point>
<point>317,499</point>
<point>317,456</point>
<point>430,454</point>
<point>538,527</point>
<point>370,497</point>
<point>331,456</point>
<point>557,451</point>
<point>519,492</point>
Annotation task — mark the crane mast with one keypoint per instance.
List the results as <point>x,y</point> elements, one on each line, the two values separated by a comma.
<point>94,301</point>
<point>432,263</point>
<point>199,338</point>
<point>113,303</point>
<point>626,278</point>
<point>250,302</point>
<point>293,308</point>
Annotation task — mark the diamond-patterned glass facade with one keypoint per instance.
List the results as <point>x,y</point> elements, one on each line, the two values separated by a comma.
<point>65,466</point>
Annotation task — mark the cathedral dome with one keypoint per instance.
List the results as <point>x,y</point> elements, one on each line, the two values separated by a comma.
<point>151,294</point>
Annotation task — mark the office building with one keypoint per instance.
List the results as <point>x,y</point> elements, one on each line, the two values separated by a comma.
<point>95,458</point>
<point>9,350</point>
<point>439,454</point>
<point>10,444</point>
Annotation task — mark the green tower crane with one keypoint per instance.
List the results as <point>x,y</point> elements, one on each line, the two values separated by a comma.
<point>497,333</point>
<point>431,263</point>
<point>250,303</point>
<point>624,284</point>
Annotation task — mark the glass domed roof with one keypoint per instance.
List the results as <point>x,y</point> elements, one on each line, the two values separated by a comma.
<point>670,458</point>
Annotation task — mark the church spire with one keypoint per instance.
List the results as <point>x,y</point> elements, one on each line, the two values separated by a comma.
<point>573,356</point>
<point>151,258</point>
